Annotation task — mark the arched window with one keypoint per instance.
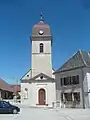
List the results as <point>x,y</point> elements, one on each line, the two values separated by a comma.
<point>41,47</point>
<point>26,93</point>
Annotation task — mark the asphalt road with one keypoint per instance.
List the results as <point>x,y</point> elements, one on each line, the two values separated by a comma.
<point>48,114</point>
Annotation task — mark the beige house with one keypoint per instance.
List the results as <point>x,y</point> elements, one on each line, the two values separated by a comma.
<point>38,84</point>
<point>73,81</point>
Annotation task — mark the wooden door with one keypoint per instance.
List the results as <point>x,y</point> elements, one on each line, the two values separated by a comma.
<point>41,97</point>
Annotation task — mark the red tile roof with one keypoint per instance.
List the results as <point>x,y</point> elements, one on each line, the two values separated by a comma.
<point>16,88</point>
<point>8,87</point>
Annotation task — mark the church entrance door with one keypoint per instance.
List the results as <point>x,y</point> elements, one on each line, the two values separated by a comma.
<point>41,97</point>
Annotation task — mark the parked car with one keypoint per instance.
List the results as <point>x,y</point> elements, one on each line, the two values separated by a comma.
<point>6,107</point>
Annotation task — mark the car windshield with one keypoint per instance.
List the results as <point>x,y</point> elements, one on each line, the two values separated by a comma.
<point>7,104</point>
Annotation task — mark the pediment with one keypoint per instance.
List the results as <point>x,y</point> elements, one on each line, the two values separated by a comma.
<point>27,75</point>
<point>42,76</point>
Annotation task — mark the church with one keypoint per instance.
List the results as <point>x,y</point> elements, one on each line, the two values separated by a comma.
<point>38,84</point>
<point>67,87</point>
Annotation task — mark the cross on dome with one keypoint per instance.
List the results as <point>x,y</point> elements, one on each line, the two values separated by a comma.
<point>41,17</point>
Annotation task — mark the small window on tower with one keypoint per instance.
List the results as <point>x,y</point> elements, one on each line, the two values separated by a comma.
<point>41,47</point>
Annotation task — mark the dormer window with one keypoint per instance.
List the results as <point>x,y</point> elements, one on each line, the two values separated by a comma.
<point>41,47</point>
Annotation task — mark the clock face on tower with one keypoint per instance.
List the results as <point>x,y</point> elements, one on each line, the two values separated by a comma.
<point>41,32</point>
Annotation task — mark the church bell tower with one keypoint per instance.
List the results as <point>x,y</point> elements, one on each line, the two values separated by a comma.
<point>41,40</point>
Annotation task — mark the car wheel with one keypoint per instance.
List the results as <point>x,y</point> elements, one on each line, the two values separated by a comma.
<point>15,111</point>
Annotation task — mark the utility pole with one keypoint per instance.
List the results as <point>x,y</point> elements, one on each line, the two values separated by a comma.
<point>15,87</point>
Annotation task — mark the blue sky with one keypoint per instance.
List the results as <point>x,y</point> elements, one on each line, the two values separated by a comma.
<point>70,27</point>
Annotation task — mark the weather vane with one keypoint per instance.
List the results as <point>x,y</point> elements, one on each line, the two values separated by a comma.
<point>41,15</point>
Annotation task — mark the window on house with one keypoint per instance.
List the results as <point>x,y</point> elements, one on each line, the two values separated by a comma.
<point>61,96</point>
<point>77,96</point>
<point>75,79</point>
<point>41,47</point>
<point>68,96</point>
<point>69,80</point>
<point>61,81</point>
<point>65,81</point>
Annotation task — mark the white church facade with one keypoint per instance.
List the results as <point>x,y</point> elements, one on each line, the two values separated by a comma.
<point>38,84</point>
<point>67,87</point>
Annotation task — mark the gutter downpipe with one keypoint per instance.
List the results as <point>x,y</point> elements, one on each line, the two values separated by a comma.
<point>82,72</point>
